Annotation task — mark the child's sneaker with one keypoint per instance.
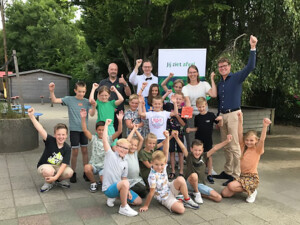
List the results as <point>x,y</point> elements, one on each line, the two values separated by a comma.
<point>210,179</point>
<point>93,187</point>
<point>127,211</point>
<point>110,202</point>
<point>197,197</point>
<point>180,197</point>
<point>190,204</point>
<point>62,183</point>
<point>251,198</point>
<point>46,187</point>
<point>73,179</point>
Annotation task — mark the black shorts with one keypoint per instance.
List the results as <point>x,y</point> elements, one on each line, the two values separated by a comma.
<point>174,143</point>
<point>78,139</point>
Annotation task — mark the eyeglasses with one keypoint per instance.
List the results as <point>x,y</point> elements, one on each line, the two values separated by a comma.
<point>147,67</point>
<point>224,66</point>
<point>127,149</point>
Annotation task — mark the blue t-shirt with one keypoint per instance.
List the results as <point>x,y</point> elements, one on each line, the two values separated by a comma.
<point>74,107</point>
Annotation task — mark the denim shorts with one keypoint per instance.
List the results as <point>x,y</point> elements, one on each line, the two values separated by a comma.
<point>203,189</point>
<point>97,170</point>
<point>113,192</point>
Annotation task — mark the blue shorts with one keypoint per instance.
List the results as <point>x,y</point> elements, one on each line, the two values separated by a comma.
<point>203,189</point>
<point>113,192</point>
<point>97,170</point>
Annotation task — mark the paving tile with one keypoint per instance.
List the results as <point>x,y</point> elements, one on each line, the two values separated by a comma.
<point>122,220</point>
<point>56,206</point>
<point>162,220</point>
<point>5,194</point>
<point>64,217</point>
<point>79,203</point>
<point>6,203</point>
<point>24,201</point>
<point>21,185</point>
<point>224,221</point>
<point>92,212</point>
<point>5,187</point>
<point>208,213</point>
<point>247,218</point>
<point>107,220</point>
<point>9,222</point>
<point>76,193</point>
<point>284,220</point>
<point>7,213</point>
<point>187,218</point>
<point>25,192</point>
<point>4,180</point>
<point>153,212</point>
<point>35,220</point>
<point>55,194</point>
<point>30,210</point>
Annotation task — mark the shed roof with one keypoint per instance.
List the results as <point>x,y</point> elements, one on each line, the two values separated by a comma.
<point>41,71</point>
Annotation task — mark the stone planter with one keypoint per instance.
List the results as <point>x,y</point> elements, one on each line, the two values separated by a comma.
<point>17,135</point>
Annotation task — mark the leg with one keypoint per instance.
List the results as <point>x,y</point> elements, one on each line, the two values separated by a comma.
<point>123,187</point>
<point>215,196</point>
<point>232,188</point>
<point>172,159</point>
<point>180,154</point>
<point>74,156</point>
<point>178,207</point>
<point>85,156</point>
<point>209,165</point>
<point>193,180</point>
<point>89,172</point>
<point>67,174</point>
<point>227,149</point>
<point>180,185</point>
<point>136,199</point>
<point>140,189</point>
<point>46,170</point>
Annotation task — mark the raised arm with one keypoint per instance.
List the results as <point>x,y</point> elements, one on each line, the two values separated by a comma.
<point>165,82</point>
<point>120,97</point>
<point>179,142</point>
<point>92,110</point>
<point>168,92</point>
<point>144,85</point>
<point>213,91</point>
<point>120,116</point>
<point>219,146</point>
<point>52,95</point>
<point>140,108</point>
<point>141,139</point>
<point>133,75</point>
<point>36,124</point>
<point>174,100</point>
<point>92,94</point>
<point>240,128</point>
<point>263,135</point>
<point>166,144</point>
<point>86,132</point>
<point>132,132</point>
<point>105,135</point>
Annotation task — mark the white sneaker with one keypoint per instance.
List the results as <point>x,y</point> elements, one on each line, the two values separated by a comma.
<point>63,184</point>
<point>46,187</point>
<point>110,202</point>
<point>93,187</point>
<point>127,211</point>
<point>197,197</point>
<point>190,204</point>
<point>251,198</point>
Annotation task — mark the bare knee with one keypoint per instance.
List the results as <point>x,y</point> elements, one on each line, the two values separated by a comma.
<point>74,152</point>
<point>84,150</point>
<point>48,173</point>
<point>69,174</point>
<point>216,197</point>
<point>193,178</point>
<point>138,201</point>
<point>179,209</point>
<point>88,168</point>
<point>180,179</point>
<point>124,184</point>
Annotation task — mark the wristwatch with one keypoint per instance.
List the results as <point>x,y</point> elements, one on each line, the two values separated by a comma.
<point>126,85</point>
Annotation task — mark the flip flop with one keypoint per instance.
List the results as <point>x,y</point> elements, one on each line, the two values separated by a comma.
<point>172,175</point>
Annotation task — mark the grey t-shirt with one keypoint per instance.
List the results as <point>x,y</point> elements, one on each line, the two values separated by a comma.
<point>74,107</point>
<point>98,153</point>
<point>114,169</point>
<point>133,169</point>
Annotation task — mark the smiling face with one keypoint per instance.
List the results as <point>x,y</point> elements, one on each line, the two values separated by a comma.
<point>251,141</point>
<point>202,107</point>
<point>158,165</point>
<point>112,71</point>
<point>150,144</point>
<point>179,100</point>
<point>178,87</point>
<point>157,105</point>
<point>224,69</point>
<point>134,145</point>
<point>61,136</point>
<point>122,148</point>
<point>103,96</point>
<point>134,103</point>
<point>99,131</point>
<point>197,151</point>
<point>154,91</point>
<point>147,68</point>
<point>193,75</point>
<point>80,92</point>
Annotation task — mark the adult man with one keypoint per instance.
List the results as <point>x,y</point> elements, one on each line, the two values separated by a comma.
<point>229,99</point>
<point>148,77</point>
<point>121,85</point>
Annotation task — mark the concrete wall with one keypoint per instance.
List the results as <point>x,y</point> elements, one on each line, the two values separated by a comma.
<point>17,135</point>
<point>37,84</point>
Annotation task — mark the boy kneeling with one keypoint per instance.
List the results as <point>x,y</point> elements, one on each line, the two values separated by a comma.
<point>53,164</point>
<point>160,187</point>
<point>115,183</point>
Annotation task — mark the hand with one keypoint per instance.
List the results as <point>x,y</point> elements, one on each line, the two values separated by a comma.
<point>144,209</point>
<point>113,89</point>
<point>240,116</point>
<point>120,115</point>
<point>83,113</point>
<point>31,112</point>
<point>171,75</point>
<point>50,179</point>
<point>219,118</point>
<point>188,130</point>
<point>122,80</point>
<point>212,76</point>
<point>253,41</point>
<point>129,195</point>
<point>166,134</point>
<point>93,102</point>
<point>51,86</point>
<point>107,122</point>
<point>95,86</point>
<point>229,138</point>
<point>175,133</point>
<point>169,91</point>
<point>144,85</point>
<point>139,62</point>
<point>173,99</point>
<point>135,127</point>
<point>267,122</point>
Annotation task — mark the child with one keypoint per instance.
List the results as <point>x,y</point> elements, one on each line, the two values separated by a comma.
<point>115,183</point>
<point>105,108</point>
<point>177,85</point>
<point>204,123</point>
<point>96,162</point>
<point>132,117</point>
<point>158,118</point>
<point>53,164</point>
<point>176,123</point>
<point>252,148</point>
<point>136,182</point>
<point>77,137</point>
<point>194,173</point>
<point>153,92</point>
<point>160,187</point>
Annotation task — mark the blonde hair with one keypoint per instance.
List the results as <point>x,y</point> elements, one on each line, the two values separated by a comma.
<point>200,100</point>
<point>133,96</point>
<point>150,136</point>
<point>180,93</point>
<point>249,133</point>
<point>159,156</point>
<point>178,81</point>
<point>102,89</point>
<point>124,141</point>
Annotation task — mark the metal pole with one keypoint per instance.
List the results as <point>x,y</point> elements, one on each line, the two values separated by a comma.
<point>19,82</point>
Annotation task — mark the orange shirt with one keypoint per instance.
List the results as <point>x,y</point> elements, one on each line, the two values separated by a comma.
<point>250,160</point>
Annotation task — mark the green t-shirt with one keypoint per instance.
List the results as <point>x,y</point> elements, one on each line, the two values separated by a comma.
<point>106,110</point>
<point>194,165</point>
<point>144,171</point>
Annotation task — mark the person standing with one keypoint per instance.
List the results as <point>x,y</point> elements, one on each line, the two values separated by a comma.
<point>229,105</point>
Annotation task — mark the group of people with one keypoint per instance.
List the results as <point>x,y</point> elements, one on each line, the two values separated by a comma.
<point>135,167</point>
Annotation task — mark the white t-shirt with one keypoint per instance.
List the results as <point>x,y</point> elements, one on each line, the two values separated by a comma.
<point>196,91</point>
<point>158,122</point>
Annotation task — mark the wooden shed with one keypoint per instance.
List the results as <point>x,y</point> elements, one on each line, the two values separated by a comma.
<point>35,83</point>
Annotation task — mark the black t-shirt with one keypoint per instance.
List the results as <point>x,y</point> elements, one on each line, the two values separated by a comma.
<point>173,123</point>
<point>205,124</point>
<point>53,155</point>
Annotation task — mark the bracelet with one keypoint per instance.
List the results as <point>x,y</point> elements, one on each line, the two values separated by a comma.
<point>126,85</point>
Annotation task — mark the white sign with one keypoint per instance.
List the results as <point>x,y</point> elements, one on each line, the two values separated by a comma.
<point>177,61</point>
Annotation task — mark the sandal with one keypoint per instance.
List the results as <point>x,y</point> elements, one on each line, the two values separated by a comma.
<point>181,175</point>
<point>172,175</point>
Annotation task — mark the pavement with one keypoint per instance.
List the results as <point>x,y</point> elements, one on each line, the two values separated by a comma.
<point>277,202</point>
